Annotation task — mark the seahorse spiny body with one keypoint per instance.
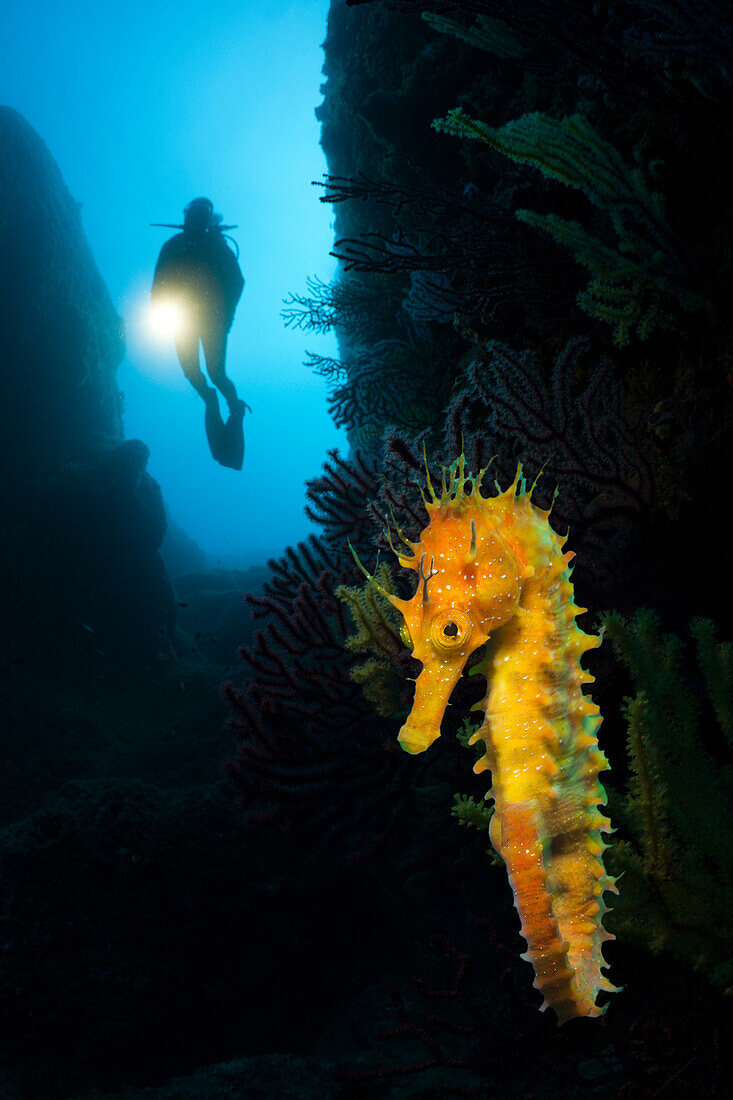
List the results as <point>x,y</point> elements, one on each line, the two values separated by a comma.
<point>492,570</point>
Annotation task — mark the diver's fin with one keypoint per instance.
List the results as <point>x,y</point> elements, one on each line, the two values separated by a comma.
<point>214,426</point>
<point>232,451</point>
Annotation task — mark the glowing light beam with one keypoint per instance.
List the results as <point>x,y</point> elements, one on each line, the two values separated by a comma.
<point>165,320</point>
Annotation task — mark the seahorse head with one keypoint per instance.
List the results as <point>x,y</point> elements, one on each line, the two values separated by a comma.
<point>469,583</point>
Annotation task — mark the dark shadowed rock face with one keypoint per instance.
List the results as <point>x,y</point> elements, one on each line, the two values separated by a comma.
<point>82,520</point>
<point>62,338</point>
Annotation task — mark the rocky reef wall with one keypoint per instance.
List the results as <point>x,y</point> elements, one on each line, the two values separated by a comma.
<point>83,520</point>
<point>63,338</point>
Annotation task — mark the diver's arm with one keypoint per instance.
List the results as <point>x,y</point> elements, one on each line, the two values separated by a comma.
<point>232,280</point>
<point>164,267</point>
<point>160,273</point>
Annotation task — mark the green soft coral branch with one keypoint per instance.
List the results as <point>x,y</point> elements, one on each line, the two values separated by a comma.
<point>486,33</point>
<point>645,804</point>
<point>677,862</point>
<point>630,288</point>
<point>475,815</point>
<point>379,684</point>
<point>716,662</point>
<point>471,813</point>
<point>376,622</point>
<point>376,639</point>
<point>665,720</point>
<point>571,151</point>
<point>640,283</point>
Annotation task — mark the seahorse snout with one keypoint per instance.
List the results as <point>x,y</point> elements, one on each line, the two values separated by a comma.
<point>433,688</point>
<point>416,739</point>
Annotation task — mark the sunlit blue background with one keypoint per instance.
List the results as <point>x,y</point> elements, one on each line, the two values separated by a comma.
<point>146,105</point>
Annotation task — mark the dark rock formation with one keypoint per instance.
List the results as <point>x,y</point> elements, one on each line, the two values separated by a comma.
<point>62,338</point>
<point>82,519</point>
<point>181,553</point>
<point>214,612</point>
<point>89,561</point>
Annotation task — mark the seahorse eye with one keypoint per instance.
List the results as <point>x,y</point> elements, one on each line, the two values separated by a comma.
<point>450,629</point>
<point>406,636</point>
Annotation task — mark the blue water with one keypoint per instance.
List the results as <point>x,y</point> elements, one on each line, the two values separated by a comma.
<point>144,106</point>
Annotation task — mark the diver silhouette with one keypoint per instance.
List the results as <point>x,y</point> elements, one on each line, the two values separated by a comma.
<point>199,274</point>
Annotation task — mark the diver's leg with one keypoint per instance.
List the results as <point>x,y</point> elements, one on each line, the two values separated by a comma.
<point>187,349</point>
<point>214,341</point>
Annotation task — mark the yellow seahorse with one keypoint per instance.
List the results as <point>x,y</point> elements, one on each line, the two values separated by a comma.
<point>492,570</point>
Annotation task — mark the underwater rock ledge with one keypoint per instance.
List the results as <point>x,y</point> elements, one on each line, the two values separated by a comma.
<point>83,520</point>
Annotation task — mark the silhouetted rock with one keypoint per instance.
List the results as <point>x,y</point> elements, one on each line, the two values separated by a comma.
<point>62,337</point>
<point>214,612</point>
<point>180,552</point>
<point>90,563</point>
<point>83,521</point>
<point>127,909</point>
<point>261,1077</point>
